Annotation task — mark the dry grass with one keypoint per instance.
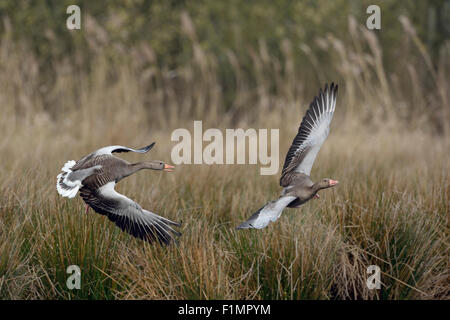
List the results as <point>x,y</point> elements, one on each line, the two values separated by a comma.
<point>390,209</point>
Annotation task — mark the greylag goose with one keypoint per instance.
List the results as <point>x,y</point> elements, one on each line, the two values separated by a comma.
<point>297,185</point>
<point>95,176</point>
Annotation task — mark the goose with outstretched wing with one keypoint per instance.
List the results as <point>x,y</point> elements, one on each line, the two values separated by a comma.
<point>95,176</point>
<point>297,185</point>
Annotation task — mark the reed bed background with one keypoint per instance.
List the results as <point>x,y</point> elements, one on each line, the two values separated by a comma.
<point>388,147</point>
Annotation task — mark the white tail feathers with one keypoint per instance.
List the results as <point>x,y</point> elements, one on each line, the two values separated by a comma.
<point>68,165</point>
<point>64,186</point>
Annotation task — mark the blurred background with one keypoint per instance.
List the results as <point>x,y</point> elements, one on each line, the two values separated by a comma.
<point>242,59</point>
<point>137,70</point>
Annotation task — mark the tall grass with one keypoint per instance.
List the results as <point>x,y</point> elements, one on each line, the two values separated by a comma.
<point>387,148</point>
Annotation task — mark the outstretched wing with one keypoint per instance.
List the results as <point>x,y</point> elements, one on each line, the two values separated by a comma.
<point>118,149</point>
<point>128,215</point>
<point>269,213</point>
<point>312,132</point>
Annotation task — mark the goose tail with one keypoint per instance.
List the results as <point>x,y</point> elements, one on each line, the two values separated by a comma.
<point>64,186</point>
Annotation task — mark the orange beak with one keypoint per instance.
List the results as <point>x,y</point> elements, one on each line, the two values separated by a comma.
<point>168,167</point>
<point>333,182</point>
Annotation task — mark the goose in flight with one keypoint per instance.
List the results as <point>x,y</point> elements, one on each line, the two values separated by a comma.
<point>297,185</point>
<point>95,176</point>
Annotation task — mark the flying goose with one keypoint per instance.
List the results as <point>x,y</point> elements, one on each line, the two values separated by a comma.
<point>297,185</point>
<point>95,176</point>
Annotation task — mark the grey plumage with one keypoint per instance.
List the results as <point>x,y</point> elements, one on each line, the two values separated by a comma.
<point>269,213</point>
<point>82,174</point>
<point>95,176</point>
<point>129,215</point>
<point>298,186</point>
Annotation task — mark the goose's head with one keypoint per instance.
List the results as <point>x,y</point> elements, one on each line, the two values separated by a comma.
<point>327,183</point>
<point>159,165</point>
<point>331,182</point>
<point>323,184</point>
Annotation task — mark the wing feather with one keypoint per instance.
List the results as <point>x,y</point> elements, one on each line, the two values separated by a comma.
<point>119,149</point>
<point>269,213</point>
<point>312,133</point>
<point>129,215</point>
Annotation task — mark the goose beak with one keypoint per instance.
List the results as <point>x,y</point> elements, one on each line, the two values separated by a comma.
<point>316,196</point>
<point>333,182</point>
<point>168,167</point>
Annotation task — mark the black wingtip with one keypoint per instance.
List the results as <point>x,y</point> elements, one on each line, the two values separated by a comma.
<point>177,224</point>
<point>243,225</point>
<point>333,87</point>
<point>147,148</point>
<point>178,234</point>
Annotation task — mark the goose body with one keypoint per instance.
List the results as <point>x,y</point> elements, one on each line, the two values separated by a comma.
<point>95,176</point>
<point>297,184</point>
